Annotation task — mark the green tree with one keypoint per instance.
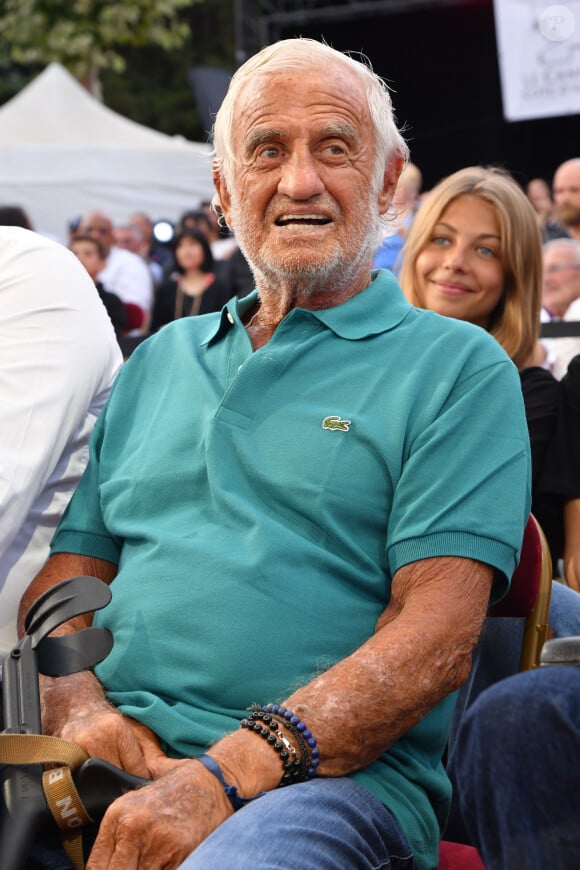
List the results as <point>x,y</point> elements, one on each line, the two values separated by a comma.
<point>87,36</point>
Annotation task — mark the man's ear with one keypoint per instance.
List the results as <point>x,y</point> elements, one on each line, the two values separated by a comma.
<point>223,194</point>
<point>390,179</point>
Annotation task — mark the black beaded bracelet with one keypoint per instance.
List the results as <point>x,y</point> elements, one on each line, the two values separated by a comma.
<point>299,769</point>
<point>301,731</point>
<point>280,744</point>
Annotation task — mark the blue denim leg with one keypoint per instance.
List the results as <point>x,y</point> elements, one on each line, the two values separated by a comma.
<point>325,824</point>
<point>517,771</point>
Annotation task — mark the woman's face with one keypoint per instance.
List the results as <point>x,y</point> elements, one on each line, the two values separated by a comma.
<point>459,272</point>
<point>189,253</point>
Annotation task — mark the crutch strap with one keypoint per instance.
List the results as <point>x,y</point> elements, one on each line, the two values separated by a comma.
<point>62,797</point>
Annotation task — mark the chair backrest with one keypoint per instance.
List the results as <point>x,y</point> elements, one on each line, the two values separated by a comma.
<point>135,316</point>
<point>529,594</point>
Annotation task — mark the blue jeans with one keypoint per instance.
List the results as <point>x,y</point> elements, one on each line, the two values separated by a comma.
<point>497,653</point>
<point>496,657</point>
<point>516,771</point>
<point>325,824</point>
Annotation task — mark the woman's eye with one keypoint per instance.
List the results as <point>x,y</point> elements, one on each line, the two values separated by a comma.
<point>440,240</point>
<point>487,252</point>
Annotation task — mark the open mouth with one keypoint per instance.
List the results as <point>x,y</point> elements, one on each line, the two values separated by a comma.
<point>313,220</point>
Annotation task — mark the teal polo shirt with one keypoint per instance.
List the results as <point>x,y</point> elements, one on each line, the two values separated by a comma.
<point>257,505</point>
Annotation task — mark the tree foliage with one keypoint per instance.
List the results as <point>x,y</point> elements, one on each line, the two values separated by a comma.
<point>149,82</point>
<point>87,36</point>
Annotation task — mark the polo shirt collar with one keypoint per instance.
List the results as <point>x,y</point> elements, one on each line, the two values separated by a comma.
<point>378,308</point>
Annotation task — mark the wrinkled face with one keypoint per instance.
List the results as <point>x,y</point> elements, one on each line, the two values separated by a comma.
<point>459,272</point>
<point>89,257</point>
<point>567,193</point>
<point>561,279</point>
<point>189,253</point>
<point>304,203</point>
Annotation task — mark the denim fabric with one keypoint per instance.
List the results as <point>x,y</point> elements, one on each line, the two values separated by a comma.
<point>516,771</point>
<point>324,824</point>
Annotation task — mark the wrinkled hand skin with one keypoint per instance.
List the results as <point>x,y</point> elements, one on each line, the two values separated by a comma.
<point>122,741</point>
<point>159,825</point>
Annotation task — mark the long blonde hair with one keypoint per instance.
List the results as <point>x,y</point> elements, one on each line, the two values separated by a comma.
<point>515,323</point>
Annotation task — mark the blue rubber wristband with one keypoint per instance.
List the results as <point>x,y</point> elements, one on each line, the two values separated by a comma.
<point>231,791</point>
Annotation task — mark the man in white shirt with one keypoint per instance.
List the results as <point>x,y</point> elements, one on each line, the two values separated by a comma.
<point>561,299</point>
<point>126,274</point>
<point>58,359</point>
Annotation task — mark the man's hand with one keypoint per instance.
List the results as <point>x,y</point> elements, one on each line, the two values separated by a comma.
<point>103,732</point>
<point>158,826</point>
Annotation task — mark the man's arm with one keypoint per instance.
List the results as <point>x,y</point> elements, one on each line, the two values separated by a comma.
<point>58,353</point>
<point>419,653</point>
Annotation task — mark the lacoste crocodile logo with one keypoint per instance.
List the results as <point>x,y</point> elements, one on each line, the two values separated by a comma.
<point>336,423</point>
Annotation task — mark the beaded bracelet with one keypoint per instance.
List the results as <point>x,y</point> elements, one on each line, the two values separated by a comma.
<point>272,715</point>
<point>288,755</point>
<point>300,730</point>
<point>231,791</point>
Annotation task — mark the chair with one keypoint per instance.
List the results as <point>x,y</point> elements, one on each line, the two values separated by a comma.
<point>529,594</point>
<point>529,597</point>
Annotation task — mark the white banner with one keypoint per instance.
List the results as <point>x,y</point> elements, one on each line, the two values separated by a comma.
<point>538,45</point>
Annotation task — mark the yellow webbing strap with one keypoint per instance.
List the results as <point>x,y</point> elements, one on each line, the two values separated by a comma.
<point>60,791</point>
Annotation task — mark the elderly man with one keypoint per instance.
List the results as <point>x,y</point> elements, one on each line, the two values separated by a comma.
<point>561,299</point>
<point>305,500</point>
<point>566,190</point>
<point>126,274</point>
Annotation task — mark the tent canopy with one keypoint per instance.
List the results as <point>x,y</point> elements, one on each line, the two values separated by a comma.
<point>63,153</point>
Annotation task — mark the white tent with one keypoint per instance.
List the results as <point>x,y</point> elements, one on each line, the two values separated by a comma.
<point>63,153</point>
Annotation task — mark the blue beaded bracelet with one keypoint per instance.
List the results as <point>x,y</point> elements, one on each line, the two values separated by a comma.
<point>231,791</point>
<point>301,731</point>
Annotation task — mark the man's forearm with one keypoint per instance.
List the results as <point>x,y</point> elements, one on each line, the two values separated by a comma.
<point>420,653</point>
<point>78,693</point>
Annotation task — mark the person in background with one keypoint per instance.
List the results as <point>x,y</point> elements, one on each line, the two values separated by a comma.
<point>561,300</point>
<point>405,204</point>
<point>473,253</point>
<point>292,500</point>
<point>194,287</point>
<point>539,193</point>
<point>152,252</point>
<point>90,252</point>
<point>58,360</point>
<point>566,191</point>
<point>14,216</point>
<point>129,238</point>
<point>125,274</point>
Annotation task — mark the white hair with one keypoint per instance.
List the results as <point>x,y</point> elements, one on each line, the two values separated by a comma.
<point>302,53</point>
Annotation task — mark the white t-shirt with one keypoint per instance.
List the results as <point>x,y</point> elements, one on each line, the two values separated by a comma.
<point>560,351</point>
<point>58,359</point>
